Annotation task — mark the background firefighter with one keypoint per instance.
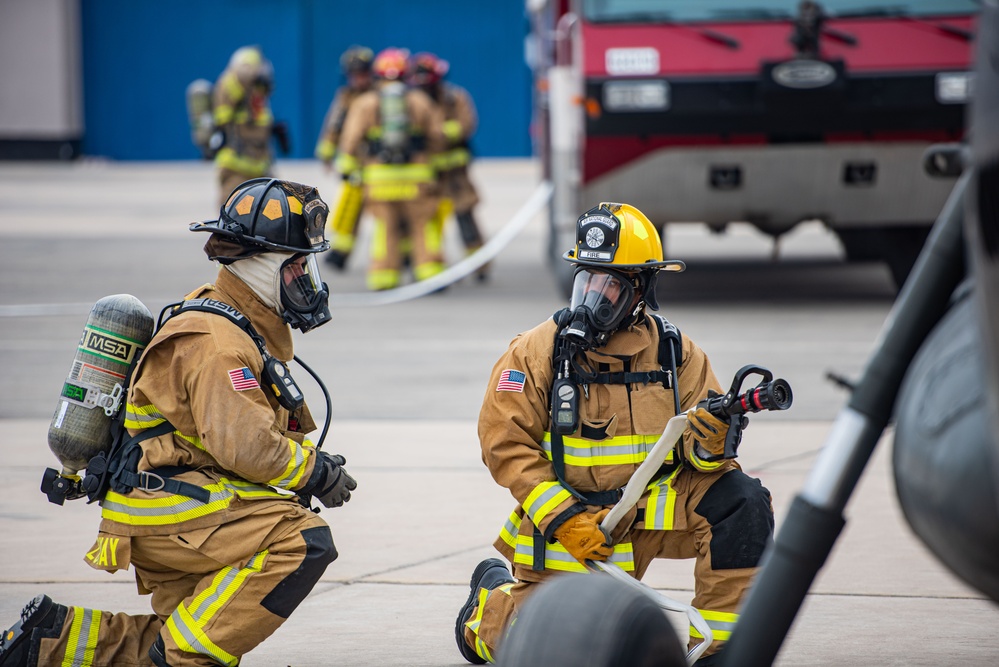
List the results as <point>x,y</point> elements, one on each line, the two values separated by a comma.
<point>427,72</point>
<point>388,137</point>
<point>225,555</point>
<point>565,472</point>
<point>355,63</point>
<point>244,123</point>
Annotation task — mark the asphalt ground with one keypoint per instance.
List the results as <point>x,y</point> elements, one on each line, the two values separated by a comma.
<point>407,381</point>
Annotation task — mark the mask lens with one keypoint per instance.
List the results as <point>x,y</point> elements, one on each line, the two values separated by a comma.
<point>301,282</point>
<point>605,295</point>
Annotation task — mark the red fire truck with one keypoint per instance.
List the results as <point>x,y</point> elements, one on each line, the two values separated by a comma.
<point>769,112</point>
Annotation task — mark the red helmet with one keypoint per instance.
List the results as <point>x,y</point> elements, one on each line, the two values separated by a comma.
<point>426,69</point>
<point>390,64</point>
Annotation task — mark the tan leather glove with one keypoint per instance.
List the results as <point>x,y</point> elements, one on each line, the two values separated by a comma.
<point>582,537</point>
<point>704,437</point>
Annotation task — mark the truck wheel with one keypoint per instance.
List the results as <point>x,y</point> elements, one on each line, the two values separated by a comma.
<point>593,620</point>
<point>897,246</point>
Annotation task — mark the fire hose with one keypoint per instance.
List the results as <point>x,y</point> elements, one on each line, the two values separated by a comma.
<point>770,394</point>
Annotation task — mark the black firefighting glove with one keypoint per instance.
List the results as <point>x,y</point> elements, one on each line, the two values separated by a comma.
<point>329,482</point>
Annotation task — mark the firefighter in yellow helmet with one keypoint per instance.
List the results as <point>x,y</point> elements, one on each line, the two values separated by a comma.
<point>355,63</point>
<point>620,373</point>
<point>388,137</point>
<point>427,72</point>
<point>244,122</point>
<point>208,506</point>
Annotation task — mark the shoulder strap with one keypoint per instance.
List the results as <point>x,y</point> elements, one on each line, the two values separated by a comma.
<point>206,305</point>
<point>670,353</point>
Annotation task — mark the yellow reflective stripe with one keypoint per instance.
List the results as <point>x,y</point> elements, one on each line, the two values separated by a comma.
<point>223,587</point>
<point>297,460</point>
<point>394,191</point>
<point>702,465</point>
<point>342,242</point>
<point>86,623</point>
<point>142,417</point>
<point>510,529</point>
<point>557,558</point>
<point>192,639</point>
<point>721,623</point>
<point>415,173</point>
<point>619,450</point>
<point>545,497</point>
<point>223,114</point>
<point>383,278</point>
<point>439,161</point>
<point>177,508</point>
<point>229,159</point>
<point>193,439</point>
<point>661,507</point>
<point>427,270</point>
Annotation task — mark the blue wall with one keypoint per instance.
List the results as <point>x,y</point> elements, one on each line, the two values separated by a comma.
<point>138,58</point>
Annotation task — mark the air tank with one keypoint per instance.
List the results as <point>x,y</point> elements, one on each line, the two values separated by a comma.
<point>116,333</point>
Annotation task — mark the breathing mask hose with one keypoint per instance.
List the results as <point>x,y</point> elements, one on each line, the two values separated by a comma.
<point>329,402</point>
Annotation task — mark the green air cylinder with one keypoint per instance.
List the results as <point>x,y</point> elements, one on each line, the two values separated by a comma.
<point>118,330</point>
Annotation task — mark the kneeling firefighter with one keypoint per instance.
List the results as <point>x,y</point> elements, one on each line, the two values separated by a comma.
<point>206,495</point>
<point>573,408</point>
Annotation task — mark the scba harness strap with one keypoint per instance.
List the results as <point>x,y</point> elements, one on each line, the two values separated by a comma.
<point>118,468</point>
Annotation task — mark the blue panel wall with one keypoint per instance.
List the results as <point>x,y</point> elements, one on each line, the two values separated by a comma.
<point>138,58</point>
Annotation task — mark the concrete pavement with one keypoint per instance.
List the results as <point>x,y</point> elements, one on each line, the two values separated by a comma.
<point>406,384</point>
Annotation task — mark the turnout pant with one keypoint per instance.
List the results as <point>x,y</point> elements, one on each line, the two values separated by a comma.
<point>393,222</point>
<point>729,522</point>
<point>217,592</point>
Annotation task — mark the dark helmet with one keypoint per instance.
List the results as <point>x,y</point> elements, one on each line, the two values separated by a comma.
<point>266,214</point>
<point>357,59</point>
<point>426,69</point>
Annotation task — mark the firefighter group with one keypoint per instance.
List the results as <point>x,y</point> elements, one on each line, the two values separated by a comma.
<point>208,486</point>
<point>397,134</point>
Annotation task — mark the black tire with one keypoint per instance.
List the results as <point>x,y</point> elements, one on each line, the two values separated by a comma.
<point>590,620</point>
<point>897,246</point>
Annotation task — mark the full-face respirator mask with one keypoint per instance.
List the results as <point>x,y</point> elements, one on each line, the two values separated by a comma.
<point>601,301</point>
<point>304,295</point>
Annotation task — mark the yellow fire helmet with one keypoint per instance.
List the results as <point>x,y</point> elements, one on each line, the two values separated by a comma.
<point>619,236</point>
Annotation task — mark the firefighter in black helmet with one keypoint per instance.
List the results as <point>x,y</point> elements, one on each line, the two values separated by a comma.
<point>355,63</point>
<point>210,514</point>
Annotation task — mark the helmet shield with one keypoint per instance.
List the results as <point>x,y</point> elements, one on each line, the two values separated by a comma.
<point>605,296</point>
<point>304,295</point>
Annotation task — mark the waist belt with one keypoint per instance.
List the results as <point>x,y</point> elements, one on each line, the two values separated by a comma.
<point>127,476</point>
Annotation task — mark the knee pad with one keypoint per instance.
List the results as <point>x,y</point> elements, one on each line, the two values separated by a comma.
<point>290,591</point>
<point>739,510</point>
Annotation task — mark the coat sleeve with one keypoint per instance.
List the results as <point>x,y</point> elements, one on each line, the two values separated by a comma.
<point>512,426</point>
<point>332,124</point>
<point>465,113</point>
<point>355,125</point>
<point>237,425</point>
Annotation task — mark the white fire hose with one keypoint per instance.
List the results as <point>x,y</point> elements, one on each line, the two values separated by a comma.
<point>632,492</point>
<point>457,271</point>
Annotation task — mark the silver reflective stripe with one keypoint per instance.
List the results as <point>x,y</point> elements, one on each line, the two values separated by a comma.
<point>167,510</point>
<point>537,503</point>
<point>83,655</point>
<point>293,475</point>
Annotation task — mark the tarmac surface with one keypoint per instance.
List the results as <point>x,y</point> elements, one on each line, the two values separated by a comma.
<point>407,381</point>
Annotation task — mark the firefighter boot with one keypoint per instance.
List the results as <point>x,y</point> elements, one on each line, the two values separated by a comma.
<point>38,616</point>
<point>488,574</point>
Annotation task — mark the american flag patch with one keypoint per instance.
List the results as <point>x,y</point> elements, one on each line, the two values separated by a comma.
<point>242,379</point>
<point>511,380</point>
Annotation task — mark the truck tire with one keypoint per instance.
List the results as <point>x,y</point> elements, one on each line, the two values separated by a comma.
<point>897,246</point>
<point>591,620</point>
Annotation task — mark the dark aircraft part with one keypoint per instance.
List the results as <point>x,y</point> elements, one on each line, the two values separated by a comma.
<point>591,620</point>
<point>944,450</point>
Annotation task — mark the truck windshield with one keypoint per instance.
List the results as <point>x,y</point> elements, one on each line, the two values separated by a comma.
<point>672,11</point>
